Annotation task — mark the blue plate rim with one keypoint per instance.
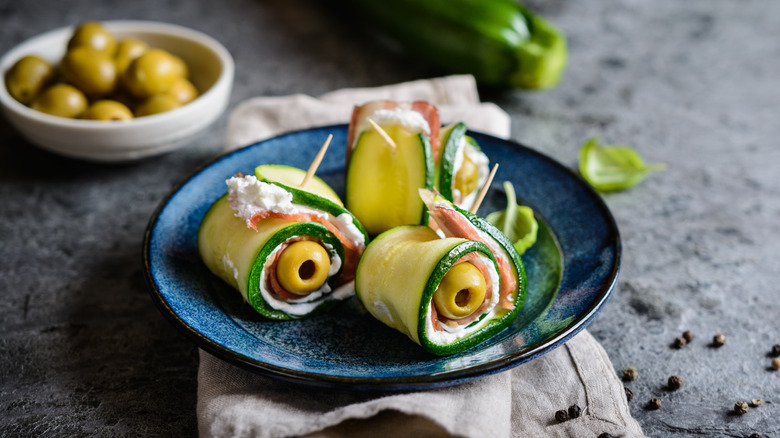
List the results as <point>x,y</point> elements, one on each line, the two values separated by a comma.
<point>418,382</point>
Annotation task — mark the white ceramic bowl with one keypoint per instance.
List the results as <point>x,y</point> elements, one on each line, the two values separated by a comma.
<point>211,71</point>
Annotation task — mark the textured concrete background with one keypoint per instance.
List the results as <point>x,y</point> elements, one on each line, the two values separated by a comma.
<point>83,352</point>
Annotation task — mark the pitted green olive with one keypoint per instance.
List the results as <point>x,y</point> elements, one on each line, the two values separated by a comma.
<point>183,91</point>
<point>151,73</point>
<point>95,36</point>
<point>467,177</point>
<point>107,110</point>
<point>27,77</point>
<point>461,291</point>
<point>156,104</point>
<point>303,267</point>
<point>61,100</point>
<point>92,72</point>
<point>127,50</point>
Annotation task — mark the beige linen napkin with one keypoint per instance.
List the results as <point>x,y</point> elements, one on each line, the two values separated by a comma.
<point>516,403</point>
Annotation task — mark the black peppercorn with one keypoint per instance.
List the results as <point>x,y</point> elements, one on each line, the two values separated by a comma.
<point>741,407</point>
<point>561,415</point>
<point>574,411</point>
<point>654,403</point>
<point>718,340</point>
<point>630,373</point>
<point>775,350</point>
<point>755,435</point>
<point>688,335</point>
<point>675,383</point>
<point>629,393</point>
<point>606,435</point>
<point>679,342</point>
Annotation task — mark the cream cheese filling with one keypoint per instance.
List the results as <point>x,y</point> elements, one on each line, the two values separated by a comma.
<point>249,196</point>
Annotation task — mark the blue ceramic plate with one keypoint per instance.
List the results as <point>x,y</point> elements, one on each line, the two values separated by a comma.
<point>572,270</point>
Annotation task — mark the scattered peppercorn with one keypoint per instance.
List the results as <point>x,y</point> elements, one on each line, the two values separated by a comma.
<point>756,402</point>
<point>561,415</point>
<point>679,342</point>
<point>741,407</point>
<point>776,363</point>
<point>630,373</point>
<point>654,403</point>
<point>606,435</point>
<point>574,411</point>
<point>718,340</point>
<point>675,383</point>
<point>775,350</point>
<point>755,435</point>
<point>688,335</point>
<point>629,393</point>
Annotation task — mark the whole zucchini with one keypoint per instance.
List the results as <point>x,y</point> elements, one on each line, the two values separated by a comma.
<point>500,42</point>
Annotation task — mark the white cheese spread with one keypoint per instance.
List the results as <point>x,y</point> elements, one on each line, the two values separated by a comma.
<point>409,119</point>
<point>249,196</point>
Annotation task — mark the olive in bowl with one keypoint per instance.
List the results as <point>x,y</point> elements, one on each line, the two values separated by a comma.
<point>93,135</point>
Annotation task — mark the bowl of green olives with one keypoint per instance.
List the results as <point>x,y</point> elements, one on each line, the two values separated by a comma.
<point>115,90</point>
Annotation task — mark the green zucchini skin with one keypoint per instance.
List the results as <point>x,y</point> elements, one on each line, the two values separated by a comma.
<point>500,42</point>
<point>398,274</point>
<point>451,136</point>
<point>355,187</point>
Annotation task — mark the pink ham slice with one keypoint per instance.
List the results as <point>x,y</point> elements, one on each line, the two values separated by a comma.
<point>428,111</point>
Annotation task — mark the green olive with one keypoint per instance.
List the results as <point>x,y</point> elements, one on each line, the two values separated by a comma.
<point>61,100</point>
<point>181,66</point>
<point>27,77</point>
<point>94,35</point>
<point>126,51</point>
<point>151,73</point>
<point>467,177</point>
<point>159,103</point>
<point>107,110</point>
<point>303,267</point>
<point>92,72</point>
<point>460,292</point>
<point>183,91</point>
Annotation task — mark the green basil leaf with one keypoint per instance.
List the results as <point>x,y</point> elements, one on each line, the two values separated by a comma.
<point>517,222</point>
<point>611,168</point>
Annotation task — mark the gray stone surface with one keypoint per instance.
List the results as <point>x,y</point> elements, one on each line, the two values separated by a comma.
<point>83,352</point>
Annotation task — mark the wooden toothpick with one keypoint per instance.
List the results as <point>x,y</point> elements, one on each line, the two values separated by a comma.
<point>483,191</point>
<point>316,163</point>
<point>385,136</point>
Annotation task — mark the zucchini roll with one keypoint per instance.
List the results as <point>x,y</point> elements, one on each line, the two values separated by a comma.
<point>390,156</point>
<point>452,221</point>
<point>462,167</point>
<point>446,294</point>
<point>443,293</point>
<point>290,253</point>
